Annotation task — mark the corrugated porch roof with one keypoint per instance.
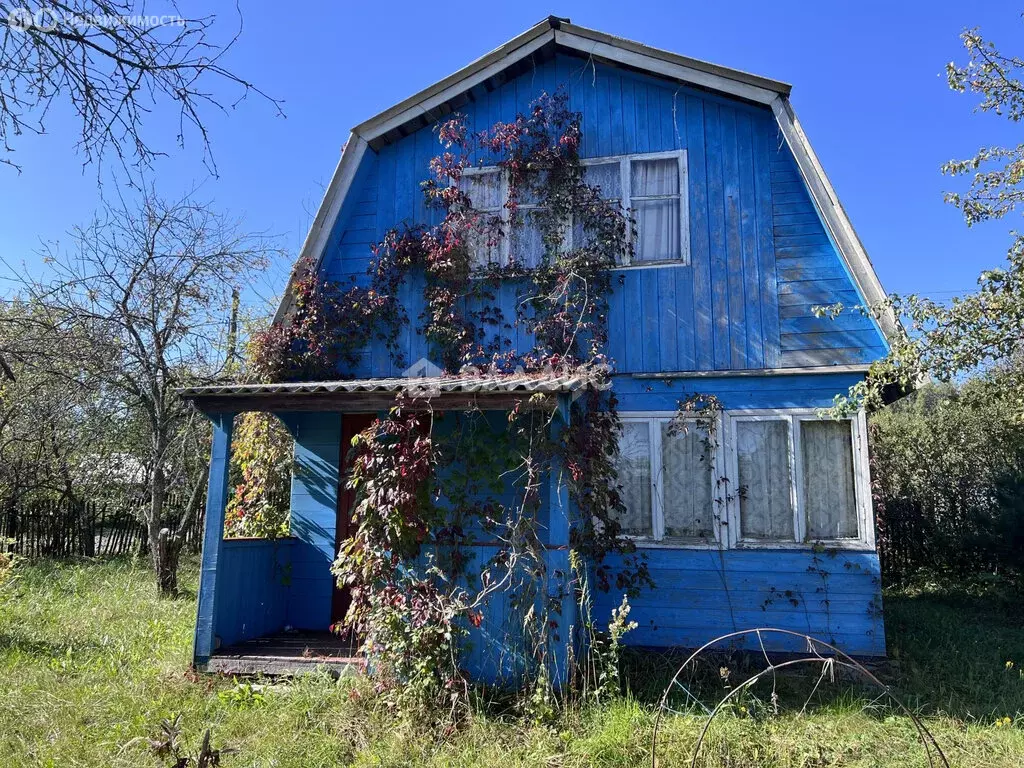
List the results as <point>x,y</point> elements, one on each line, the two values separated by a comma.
<point>488,391</point>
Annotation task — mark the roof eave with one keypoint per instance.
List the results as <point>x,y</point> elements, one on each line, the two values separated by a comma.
<point>704,74</point>
<point>851,249</point>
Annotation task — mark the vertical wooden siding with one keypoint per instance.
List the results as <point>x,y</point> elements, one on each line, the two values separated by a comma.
<point>702,594</point>
<point>314,504</point>
<point>254,593</point>
<point>748,209</point>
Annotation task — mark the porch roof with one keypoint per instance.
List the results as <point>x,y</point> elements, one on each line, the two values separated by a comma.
<point>487,391</point>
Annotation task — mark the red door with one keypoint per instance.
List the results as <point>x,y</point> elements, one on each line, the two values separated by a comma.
<point>351,425</point>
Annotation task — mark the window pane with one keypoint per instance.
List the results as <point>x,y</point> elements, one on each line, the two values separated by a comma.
<point>657,229</point>
<point>484,190</point>
<point>484,242</point>
<point>766,508</point>
<point>634,465</point>
<point>527,245</point>
<point>655,177</point>
<point>607,176</point>
<point>829,498</point>
<point>533,188</point>
<point>686,462</point>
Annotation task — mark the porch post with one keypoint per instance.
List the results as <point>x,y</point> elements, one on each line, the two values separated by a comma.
<point>561,584</point>
<point>213,535</point>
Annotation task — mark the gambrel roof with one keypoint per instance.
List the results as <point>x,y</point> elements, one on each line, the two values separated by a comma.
<point>542,40</point>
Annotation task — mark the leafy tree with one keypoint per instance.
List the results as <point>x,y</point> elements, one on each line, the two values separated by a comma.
<point>984,329</point>
<point>948,469</point>
<point>51,429</point>
<point>149,291</point>
<point>112,68</point>
<point>261,469</point>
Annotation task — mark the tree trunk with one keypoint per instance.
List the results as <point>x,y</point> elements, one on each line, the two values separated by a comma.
<point>168,551</point>
<point>164,547</point>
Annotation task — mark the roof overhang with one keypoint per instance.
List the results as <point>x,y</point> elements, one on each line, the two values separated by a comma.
<point>489,392</point>
<point>552,34</point>
<point>851,249</point>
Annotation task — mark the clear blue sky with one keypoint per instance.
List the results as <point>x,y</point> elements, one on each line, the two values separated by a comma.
<point>868,85</point>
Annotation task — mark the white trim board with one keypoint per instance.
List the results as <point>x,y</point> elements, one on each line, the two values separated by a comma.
<point>732,82</point>
<point>315,245</point>
<point>851,250</point>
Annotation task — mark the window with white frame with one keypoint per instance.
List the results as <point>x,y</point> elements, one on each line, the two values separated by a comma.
<point>791,479</point>
<point>799,479</point>
<point>666,480</point>
<point>652,186</point>
<point>488,193</point>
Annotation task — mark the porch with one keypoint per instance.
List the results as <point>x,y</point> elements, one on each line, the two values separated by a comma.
<point>266,606</point>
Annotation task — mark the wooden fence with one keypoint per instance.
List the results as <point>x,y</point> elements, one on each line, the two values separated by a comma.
<point>63,528</point>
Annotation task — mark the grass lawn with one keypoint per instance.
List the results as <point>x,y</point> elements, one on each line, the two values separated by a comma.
<point>91,662</point>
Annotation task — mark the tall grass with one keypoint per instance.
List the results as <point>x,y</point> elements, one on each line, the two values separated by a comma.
<point>91,662</point>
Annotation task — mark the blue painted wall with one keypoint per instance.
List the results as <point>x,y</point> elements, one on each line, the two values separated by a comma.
<point>314,504</point>
<point>254,579</point>
<point>760,254</point>
<point>760,258</point>
<point>703,594</point>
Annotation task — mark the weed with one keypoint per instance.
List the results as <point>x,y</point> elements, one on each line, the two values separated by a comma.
<point>91,660</point>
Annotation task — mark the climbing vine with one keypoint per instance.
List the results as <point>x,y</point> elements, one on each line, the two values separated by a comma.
<point>450,511</point>
<point>261,469</point>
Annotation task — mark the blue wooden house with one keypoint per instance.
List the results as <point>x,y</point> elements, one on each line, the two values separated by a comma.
<point>745,235</point>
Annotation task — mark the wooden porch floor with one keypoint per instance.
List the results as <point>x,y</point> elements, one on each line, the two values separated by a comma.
<point>288,653</point>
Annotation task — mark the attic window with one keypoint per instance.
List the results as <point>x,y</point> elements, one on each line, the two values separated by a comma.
<point>652,186</point>
<point>488,192</point>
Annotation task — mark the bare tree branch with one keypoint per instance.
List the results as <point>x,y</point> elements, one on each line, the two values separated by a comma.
<point>113,63</point>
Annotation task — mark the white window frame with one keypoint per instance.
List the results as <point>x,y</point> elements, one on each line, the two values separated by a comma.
<point>794,417</point>
<point>726,517</point>
<point>654,420</point>
<point>502,213</point>
<point>626,183</point>
<point>626,200</point>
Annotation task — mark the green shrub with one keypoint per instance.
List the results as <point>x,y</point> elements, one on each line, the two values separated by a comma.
<point>948,471</point>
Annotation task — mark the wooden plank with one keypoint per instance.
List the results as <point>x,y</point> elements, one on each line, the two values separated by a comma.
<point>643,138</point>
<point>669,318</point>
<point>700,246</point>
<point>799,358</point>
<point>844,323</point>
<point>684,320</point>
<point>651,319</point>
<point>718,248</point>
<point>615,115</point>
<point>591,119</point>
<point>633,312</point>
<point>748,228</point>
<point>617,322</point>
<point>216,502</point>
<point>800,303</point>
<point>865,339</point>
<point>655,119</point>
<point>603,113</point>
<point>733,243</point>
<point>808,269</point>
<point>813,290</point>
<point>628,116</point>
